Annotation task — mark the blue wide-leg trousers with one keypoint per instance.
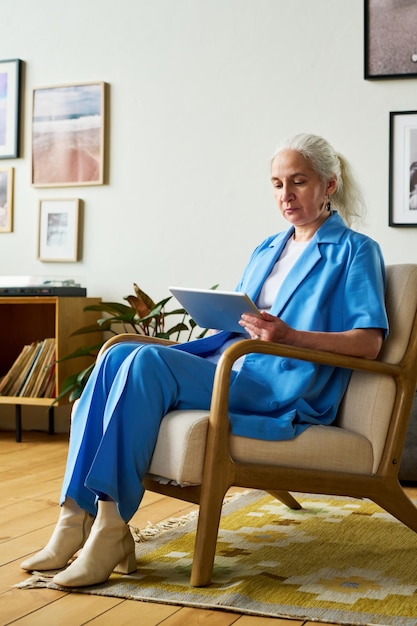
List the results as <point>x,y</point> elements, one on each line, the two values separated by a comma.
<point>116,421</point>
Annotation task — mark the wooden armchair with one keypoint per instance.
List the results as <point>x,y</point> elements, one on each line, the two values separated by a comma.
<point>358,456</point>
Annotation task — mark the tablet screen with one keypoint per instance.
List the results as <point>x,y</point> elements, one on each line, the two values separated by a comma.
<point>220,310</point>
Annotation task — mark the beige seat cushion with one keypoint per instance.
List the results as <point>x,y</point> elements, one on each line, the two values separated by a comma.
<point>179,452</point>
<point>180,448</point>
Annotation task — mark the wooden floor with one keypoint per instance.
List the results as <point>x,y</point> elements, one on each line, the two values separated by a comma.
<point>31,475</point>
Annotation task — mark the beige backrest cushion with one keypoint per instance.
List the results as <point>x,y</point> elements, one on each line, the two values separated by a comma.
<point>367,405</point>
<point>401,302</point>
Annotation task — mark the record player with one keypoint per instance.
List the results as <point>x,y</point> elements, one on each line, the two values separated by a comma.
<point>41,286</point>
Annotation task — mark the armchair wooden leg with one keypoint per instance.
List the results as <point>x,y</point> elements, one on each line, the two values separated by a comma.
<point>206,538</point>
<point>287,499</point>
<point>396,502</point>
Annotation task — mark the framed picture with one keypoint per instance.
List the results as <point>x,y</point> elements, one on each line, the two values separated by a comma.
<point>403,168</point>
<point>390,39</point>
<point>68,125</point>
<point>9,108</point>
<point>58,230</point>
<point>6,200</point>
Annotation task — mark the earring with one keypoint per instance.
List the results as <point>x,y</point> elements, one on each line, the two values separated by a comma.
<point>328,204</point>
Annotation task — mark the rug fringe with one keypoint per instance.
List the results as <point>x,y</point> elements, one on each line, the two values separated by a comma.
<point>36,581</point>
<point>152,530</point>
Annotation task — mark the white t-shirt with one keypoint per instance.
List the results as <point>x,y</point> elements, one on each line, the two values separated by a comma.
<point>293,249</point>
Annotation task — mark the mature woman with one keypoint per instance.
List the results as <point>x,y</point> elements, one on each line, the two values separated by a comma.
<point>319,285</point>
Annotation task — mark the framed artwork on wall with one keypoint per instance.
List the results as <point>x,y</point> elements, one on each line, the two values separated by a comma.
<point>6,199</point>
<point>403,168</point>
<point>58,230</point>
<point>9,108</point>
<point>68,128</point>
<point>390,39</point>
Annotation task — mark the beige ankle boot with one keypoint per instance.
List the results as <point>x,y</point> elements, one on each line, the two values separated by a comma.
<point>110,544</point>
<point>71,532</point>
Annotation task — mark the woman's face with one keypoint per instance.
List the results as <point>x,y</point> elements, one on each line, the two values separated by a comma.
<point>299,192</point>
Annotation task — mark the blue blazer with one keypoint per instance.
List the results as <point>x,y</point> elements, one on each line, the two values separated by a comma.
<point>337,284</point>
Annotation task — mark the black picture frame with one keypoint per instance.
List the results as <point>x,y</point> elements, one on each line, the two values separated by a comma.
<point>403,168</point>
<point>390,43</point>
<point>10,79</point>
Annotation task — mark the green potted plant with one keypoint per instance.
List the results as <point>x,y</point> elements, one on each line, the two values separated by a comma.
<point>142,316</point>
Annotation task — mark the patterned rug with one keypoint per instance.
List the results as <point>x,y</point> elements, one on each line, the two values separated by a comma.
<point>337,560</point>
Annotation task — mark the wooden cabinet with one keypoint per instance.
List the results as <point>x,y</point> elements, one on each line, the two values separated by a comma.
<point>24,320</point>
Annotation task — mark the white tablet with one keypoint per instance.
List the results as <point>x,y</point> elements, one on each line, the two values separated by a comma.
<point>211,308</point>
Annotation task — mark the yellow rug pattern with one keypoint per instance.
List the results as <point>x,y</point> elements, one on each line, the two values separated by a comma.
<point>336,560</point>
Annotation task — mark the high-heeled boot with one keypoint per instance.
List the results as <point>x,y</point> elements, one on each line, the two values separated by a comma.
<point>110,544</point>
<point>70,533</point>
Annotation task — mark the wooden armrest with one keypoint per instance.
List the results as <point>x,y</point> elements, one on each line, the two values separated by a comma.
<point>219,412</point>
<point>133,338</point>
<point>246,346</point>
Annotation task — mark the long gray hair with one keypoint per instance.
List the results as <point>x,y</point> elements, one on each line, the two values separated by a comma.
<point>347,199</point>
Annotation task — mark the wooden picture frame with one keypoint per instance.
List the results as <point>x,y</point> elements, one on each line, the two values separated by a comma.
<point>6,199</point>
<point>68,134</point>
<point>390,41</point>
<point>58,230</point>
<point>403,168</point>
<point>10,76</point>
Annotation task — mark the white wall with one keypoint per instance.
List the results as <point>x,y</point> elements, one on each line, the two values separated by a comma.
<point>200,93</point>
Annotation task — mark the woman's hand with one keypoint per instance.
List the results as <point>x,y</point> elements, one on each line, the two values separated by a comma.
<point>362,342</point>
<point>267,327</point>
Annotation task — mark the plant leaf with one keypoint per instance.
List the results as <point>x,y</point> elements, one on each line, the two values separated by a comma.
<point>113,308</point>
<point>138,304</point>
<point>83,351</point>
<point>93,328</point>
<point>176,329</point>
<point>142,295</point>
